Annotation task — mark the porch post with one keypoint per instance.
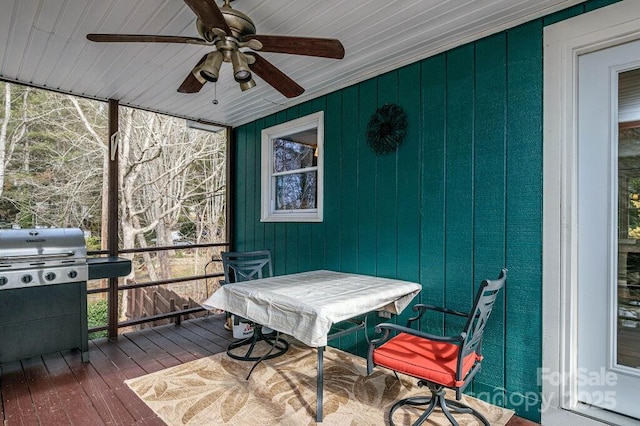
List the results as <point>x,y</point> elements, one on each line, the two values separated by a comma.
<point>112,216</point>
<point>231,185</point>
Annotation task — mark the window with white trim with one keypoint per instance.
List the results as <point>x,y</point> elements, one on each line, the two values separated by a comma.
<point>292,170</point>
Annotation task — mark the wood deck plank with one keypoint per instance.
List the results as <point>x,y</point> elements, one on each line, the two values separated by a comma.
<point>214,324</point>
<point>170,346</point>
<point>46,400</point>
<point>15,396</point>
<point>115,377</point>
<point>95,392</point>
<point>219,341</point>
<point>151,349</point>
<point>210,344</point>
<point>110,409</point>
<point>121,360</point>
<point>175,335</point>
<point>134,354</point>
<point>73,399</point>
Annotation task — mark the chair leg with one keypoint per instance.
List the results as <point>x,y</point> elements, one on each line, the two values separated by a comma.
<point>278,346</point>
<point>414,401</point>
<point>251,341</point>
<point>436,400</point>
<point>465,409</point>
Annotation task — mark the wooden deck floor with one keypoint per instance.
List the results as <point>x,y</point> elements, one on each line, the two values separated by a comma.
<point>58,389</point>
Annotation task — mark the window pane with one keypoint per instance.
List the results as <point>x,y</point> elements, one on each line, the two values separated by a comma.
<point>628,283</point>
<point>292,170</point>
<point>296,191</point>
<point>290,155</point>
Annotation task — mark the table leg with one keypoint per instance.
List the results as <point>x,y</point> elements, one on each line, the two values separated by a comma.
<point>319,389</point>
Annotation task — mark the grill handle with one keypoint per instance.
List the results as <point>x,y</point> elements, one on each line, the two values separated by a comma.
<point>38,256</point>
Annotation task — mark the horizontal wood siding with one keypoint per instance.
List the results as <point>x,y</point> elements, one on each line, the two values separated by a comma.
<point>459,200</point>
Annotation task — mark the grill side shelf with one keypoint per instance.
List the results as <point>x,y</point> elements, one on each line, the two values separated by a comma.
<point>108,267</point>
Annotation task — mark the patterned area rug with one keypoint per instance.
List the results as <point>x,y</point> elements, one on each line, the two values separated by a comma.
<point>282,391</point>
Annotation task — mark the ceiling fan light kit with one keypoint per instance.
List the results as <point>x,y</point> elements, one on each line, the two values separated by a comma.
<point>209,70</point>
<point>241,72</point>
<point>247,85</point>
<point>229,30</point>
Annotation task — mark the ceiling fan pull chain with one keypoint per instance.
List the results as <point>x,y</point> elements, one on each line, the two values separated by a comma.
<point>215,93</point>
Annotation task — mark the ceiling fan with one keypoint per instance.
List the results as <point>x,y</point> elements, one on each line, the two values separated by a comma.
<point>229,30</point>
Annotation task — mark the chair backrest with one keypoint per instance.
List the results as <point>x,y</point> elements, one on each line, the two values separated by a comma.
<point>477,319</point>
<point>247,265</point>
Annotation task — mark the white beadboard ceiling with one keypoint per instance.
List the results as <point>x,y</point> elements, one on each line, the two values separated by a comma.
<point>42,43</point>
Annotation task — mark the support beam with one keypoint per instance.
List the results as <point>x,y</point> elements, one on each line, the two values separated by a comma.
<point>112,222</point>
<point>231,187</point>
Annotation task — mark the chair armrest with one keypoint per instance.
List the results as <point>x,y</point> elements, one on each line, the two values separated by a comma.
<point>386,328</point>
<point>422,308</point>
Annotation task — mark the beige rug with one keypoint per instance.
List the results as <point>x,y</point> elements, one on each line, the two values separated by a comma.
<point>282,391</point>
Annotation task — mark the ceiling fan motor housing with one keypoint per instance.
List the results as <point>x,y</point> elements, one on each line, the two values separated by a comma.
<point>241,25</point>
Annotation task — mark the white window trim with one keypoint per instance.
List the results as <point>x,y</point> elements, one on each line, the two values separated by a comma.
<point>312,121</point>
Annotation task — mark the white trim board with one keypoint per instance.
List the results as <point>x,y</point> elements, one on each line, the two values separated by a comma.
<point>563,43</point>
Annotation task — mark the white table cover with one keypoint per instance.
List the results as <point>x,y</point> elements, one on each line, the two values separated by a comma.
<point>307,304</point>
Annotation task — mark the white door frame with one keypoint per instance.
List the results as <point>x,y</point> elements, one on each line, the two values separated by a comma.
<point>563,43</point>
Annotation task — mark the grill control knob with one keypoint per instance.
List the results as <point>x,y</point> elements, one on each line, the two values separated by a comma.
<point>72,274</point>
<point>3,281</point>
<point>49,276</point>
<point>26,279</point>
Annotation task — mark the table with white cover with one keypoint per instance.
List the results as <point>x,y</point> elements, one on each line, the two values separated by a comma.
<point>307,304</point>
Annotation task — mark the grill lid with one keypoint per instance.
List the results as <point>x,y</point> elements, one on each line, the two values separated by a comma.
<point>29,245</point>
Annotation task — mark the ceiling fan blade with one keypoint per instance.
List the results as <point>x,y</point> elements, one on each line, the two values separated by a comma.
<point>191,84</point>
<point>309,46</point>
<point>209,14</point>
<point>276,78</point>
<point>137,38</point>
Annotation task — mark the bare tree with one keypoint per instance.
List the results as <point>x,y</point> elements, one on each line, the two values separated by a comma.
<point>166,172</point>
<point>11,131</point>
<point>66,154</point>
<point>172,179</point>
<point>101,143</point>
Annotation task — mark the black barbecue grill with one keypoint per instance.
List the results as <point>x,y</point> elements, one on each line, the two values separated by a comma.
<point>43,292</point>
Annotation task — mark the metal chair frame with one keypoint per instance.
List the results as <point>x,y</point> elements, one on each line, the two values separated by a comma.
<point>468,341</point>
<point>246,266</point>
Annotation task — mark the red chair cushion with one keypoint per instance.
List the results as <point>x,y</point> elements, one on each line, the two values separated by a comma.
<point>424,359</point>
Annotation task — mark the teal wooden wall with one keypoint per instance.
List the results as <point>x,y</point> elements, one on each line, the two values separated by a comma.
<point>459,200</point>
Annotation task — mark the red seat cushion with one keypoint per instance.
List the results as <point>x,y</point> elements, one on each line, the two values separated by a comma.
<point>424,359</point>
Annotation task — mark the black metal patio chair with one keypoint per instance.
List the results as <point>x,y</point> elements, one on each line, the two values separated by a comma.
<point>246,266</point>
<point>437,362</point>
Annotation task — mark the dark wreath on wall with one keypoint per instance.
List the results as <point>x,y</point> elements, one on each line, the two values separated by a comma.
<point>386,129</point>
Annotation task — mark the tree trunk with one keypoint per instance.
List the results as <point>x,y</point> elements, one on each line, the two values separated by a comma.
<point>4,125</point>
